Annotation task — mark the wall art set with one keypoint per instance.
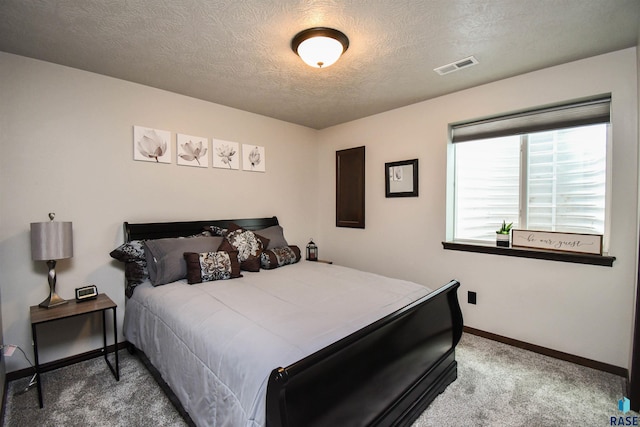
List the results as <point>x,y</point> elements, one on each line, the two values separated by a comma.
<point>154,145</point>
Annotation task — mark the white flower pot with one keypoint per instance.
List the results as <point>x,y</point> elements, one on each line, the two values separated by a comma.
<point>502,240</point>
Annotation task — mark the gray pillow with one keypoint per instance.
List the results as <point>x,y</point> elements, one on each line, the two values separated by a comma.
<point>165,257</point>
<point>275,234</point>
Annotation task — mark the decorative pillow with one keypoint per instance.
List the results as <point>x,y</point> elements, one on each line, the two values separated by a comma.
<point>248,244</point>
<point>204,233</point>
<point>278,257</point>
<point>129,251</point>
<point>214,230</point>
<point>208,266</point>
<point>165,257</point>
<point>135,264</point>
<point>275,234</point>
<point>135,272</point>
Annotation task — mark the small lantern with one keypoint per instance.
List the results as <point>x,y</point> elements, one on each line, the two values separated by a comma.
<point>312,251</point>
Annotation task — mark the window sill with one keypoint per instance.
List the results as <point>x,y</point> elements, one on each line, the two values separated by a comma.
<point>603,260</point>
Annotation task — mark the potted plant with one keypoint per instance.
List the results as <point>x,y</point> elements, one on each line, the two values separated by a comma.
<point>503,234</point>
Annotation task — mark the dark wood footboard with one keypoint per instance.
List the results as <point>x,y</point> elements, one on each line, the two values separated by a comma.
<point>384,374</point>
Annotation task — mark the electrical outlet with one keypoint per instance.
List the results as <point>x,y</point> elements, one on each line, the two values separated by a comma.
<point>8,350</point>
<point>471,297</point>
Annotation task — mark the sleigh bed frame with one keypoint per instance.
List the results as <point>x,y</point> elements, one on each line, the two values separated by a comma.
<point>385,374</point>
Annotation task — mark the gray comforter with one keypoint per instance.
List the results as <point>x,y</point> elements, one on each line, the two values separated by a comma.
<point>216,343</point>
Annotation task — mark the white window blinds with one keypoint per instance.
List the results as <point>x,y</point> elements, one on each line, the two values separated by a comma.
<point>542,170</point>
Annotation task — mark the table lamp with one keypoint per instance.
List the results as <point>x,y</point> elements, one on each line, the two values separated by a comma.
<point>51,241</point>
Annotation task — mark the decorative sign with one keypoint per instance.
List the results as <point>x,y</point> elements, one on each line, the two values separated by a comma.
<point>562,242</point>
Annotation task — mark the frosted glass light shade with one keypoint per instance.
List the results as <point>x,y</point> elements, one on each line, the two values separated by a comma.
<point>320,52</point>
<point>320,47</point>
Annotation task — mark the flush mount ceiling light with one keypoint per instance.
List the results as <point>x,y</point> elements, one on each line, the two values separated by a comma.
<point>320,47</point>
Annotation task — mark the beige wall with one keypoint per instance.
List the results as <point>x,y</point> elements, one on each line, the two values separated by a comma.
<point>579,309</point>
<point>66,146</point>
<point>66,140</point>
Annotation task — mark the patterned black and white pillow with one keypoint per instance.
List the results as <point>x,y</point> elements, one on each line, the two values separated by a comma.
<point>277,257</point>
<point>214,230</point>
<point>210,266</point>
<point>129,251</point>
<point>135,264</point>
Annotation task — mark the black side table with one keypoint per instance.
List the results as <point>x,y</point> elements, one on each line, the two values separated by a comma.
<point>73,308</point>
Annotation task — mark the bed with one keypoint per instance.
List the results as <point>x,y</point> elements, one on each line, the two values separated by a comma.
<point>305,344</point>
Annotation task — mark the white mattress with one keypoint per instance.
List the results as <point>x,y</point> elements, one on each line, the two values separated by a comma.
<point>216,343</point>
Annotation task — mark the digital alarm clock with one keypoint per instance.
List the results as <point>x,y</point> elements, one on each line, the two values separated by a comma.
<point>86,293</point>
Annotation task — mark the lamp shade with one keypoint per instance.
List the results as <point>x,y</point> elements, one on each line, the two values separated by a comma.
<point>51,240</point>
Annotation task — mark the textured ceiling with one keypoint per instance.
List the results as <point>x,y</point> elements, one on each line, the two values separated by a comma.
<point>237,53</point>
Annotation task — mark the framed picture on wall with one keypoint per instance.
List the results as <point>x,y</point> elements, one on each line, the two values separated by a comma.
<point>253,158</point>
<point>192,150</point>
<point>401,178</point>
<point>151,145</point>
<point>226,154</point>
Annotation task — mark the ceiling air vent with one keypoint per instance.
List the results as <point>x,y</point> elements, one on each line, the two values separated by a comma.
<point>455,66</point>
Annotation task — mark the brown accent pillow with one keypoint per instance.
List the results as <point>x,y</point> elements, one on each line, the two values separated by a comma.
<point>209,266</point>
<point>277,257</point>
<point>248,244</point>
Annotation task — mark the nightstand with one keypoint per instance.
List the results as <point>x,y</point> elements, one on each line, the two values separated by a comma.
<point>73,308</point>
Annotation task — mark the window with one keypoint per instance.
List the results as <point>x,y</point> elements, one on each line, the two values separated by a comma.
<point>542,170</point>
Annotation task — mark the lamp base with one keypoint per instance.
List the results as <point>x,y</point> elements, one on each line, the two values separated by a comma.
<point>52,301</point>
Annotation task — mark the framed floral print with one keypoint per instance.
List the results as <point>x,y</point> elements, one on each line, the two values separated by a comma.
<point>192,151</point>
<point>226,154</point>
<point>151,145</point>
<point>253,158</point>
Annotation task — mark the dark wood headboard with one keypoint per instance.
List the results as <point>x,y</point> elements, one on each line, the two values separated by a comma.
<point>159,230</point>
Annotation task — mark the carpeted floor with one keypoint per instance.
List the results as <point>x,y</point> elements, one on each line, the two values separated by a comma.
<point>503,386</point>
<point>87,394</point>
<point>497,386</point>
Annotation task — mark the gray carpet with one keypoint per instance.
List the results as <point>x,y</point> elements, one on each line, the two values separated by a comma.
<point>503,386</point>
<point>498,385</point>
<point>87,394</point>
